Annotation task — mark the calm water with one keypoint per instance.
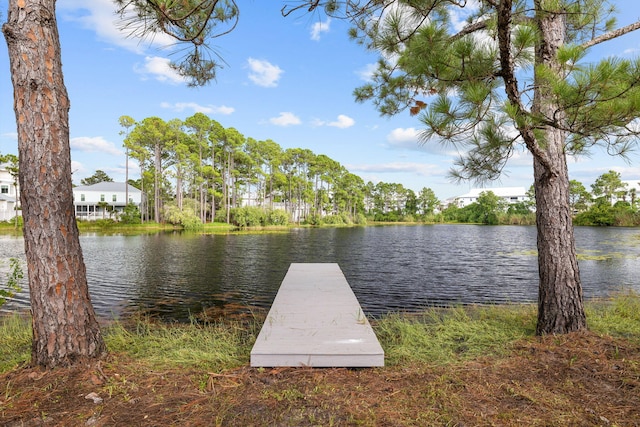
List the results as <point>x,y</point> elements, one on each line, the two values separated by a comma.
<point>390,268</point>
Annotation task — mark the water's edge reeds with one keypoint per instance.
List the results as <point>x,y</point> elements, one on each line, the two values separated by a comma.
<point>434,337</point>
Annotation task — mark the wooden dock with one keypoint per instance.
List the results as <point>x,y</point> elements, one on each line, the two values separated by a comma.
<point>316,320</point>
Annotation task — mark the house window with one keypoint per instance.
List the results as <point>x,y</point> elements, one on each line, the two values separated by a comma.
<point>102,197</point>
<point>4,189</point>
<point>114,198</point>
<point>82,197</point>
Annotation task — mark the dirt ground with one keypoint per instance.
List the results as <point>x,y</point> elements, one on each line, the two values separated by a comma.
<point>573,380</point>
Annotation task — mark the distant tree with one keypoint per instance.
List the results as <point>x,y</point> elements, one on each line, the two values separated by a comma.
<point>609,185</point>
<point>633,197</point>
<point>489,206</point>
<point>411,202</point>
<point>148,142</point>
<point>427,201</point>
<point>579,197</point>
<point>126,122</point>
<point>97,177</point>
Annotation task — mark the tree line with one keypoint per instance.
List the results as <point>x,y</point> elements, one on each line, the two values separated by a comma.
<point>198,169</point>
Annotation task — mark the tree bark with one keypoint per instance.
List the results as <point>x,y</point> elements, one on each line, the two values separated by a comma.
<point>560,300</point>
<point>65,329</point>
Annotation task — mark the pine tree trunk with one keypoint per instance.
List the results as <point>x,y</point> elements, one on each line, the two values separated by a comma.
<point>65,329</point>
<point>560,303</point>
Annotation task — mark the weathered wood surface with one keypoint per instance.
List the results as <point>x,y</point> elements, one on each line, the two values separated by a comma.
<point>316,321</point>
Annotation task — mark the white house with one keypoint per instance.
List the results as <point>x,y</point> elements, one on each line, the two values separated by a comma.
<point>510,195</point>
<point>104,200</point>
<point>9,195</point>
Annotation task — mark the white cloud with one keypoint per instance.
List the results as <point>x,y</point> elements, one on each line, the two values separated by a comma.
<point>366,72</point>
<point>421,169</point>
<point>100,16</point>
<point>263,73</point>
<point>159,68</point>
<point>319,28</point>
<point>409,139</point>
<point>630,52</point>
<point>285,119</point>
<point>94,144</point>
<point>404,137</point>
<point>343,122</point>
<point>209,109</point>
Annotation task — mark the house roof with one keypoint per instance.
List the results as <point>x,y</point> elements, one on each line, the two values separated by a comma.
<point>107,187</point>
<point>7,198</point>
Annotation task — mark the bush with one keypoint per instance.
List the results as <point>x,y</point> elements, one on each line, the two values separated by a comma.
<point>130,215</point>
<point>104,223</point>
<point>277,217</point>
<point>248,216</point>
<point>360,219</point>
<point>185,218</point>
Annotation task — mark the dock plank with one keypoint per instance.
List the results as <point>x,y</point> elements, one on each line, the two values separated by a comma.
<point>316,320</point>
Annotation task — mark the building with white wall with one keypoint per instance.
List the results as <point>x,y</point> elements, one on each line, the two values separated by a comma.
<point>510,195</point>
<point>9,195</point>
<point>104,200</point>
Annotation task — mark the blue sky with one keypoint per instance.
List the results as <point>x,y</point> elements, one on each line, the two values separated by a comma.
<point>286,79</point>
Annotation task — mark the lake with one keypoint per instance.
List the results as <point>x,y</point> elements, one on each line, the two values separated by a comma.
<point>390,268</point>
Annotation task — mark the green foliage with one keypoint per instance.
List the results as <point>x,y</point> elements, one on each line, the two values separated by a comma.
<point>191,22</point>
<point>601,213</point>
<point>618,316</point>
<point>15,336</point>
<point>360,219</point>
<point>210,346</point>
<point>104,223</point>
<point>185,218</point>
<point>248,216</point>
<point>447,335</point>
<point>12,285</point>
<point>579,197</point>
<point>436,336</point>
<point>608,186</point>
<point>254,216</point>
<point>97,177</point>
<point>130,214</point>
<point>277,217</point>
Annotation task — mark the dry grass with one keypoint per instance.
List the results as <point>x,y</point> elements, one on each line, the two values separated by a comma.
<point>491,372</point>
<point>580,379</point>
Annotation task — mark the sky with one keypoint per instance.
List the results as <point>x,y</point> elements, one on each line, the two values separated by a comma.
<point>290,80</point>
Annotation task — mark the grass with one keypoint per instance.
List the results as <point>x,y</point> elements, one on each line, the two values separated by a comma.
<point>214,346</point>
<point>435,336</point>
<point>467,365</point>
<point>440,336</point>
<point>15,336</point>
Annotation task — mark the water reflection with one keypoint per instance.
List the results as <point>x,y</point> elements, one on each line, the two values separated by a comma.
<point>390,268</point>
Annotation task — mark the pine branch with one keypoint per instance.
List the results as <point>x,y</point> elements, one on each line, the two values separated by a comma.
<point>507,72</point>
<point>612,35</point>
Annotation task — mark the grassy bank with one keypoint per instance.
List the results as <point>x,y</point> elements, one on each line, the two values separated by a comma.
<point>435,336</point>
<point>476,365</point>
